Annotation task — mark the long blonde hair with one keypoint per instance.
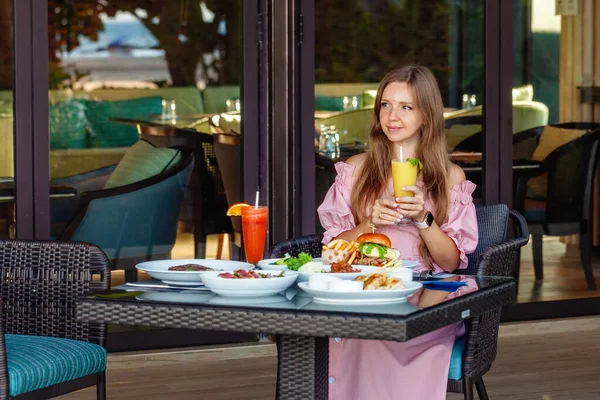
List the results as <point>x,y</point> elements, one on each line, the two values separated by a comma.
<point>375,172</point>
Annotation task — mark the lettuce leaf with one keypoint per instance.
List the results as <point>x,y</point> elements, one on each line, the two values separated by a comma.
<point>294,263</point>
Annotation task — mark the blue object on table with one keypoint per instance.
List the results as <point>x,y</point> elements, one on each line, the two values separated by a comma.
<point>449,286</point>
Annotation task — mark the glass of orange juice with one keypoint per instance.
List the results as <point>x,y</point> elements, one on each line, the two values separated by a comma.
<point>254,231</point>
<point>404,173</point>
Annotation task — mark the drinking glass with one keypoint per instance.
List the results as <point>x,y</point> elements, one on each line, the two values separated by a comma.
<point>173,111</point>
<point>166,110</point>
<point>403,174</point>
<point>254,231</point>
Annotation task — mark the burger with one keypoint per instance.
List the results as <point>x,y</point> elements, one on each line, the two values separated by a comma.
<point>375,249</point>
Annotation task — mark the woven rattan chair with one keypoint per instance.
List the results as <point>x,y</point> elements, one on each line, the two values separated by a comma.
<point>473,354</point>
<point>44,351</point>
<point>566,205</point>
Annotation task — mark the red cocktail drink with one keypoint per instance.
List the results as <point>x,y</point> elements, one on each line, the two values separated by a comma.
<point>254,229</point>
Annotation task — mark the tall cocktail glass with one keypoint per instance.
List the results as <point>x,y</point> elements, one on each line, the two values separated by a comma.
<point>254,230</point>
<point>404,174</point>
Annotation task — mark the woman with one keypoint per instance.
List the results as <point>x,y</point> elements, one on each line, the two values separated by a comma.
<point>408,112</point>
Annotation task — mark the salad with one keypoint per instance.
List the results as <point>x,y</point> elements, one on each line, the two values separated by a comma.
<point>294,263</point>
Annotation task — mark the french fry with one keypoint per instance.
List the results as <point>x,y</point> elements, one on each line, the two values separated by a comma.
<point>338,245</point>
<point>352,257</point>
<point>345,246</point>
<point>332,244</point>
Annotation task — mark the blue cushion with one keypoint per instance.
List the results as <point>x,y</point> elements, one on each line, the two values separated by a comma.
<point>456,359</point>
<point>35,362</point>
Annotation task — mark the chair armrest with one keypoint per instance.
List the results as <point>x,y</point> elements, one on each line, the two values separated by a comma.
<point>41,283</point>
<point>311,244</point>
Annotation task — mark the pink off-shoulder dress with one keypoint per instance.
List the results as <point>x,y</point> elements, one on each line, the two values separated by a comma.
<point>382,370</point>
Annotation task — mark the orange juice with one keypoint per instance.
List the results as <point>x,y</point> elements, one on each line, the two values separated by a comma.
<point>403,174</point>
<point>254,229</point>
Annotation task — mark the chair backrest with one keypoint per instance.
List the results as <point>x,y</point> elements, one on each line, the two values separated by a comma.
<point>229,158</point>
<point>492,223</point>
<point>571,169</point>
<point>41,282</point>
<point>214,198</point>
<point>524,143</point>
<point>136,220</point>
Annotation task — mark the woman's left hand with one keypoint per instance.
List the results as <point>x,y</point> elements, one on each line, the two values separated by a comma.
<point>412,206</point>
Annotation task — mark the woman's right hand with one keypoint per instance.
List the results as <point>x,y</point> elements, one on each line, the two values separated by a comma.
<point>384,212</point>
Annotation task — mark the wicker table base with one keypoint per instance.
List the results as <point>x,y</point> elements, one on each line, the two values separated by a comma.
<point>305,356</point>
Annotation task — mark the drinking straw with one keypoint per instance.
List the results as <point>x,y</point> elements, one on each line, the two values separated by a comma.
<point>256,201</point>
<point>401,157</point>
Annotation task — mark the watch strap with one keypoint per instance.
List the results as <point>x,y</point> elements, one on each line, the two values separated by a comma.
<point>427,221</point>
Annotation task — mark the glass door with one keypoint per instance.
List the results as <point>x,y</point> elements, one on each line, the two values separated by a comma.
<point>353,52</point>
<point>145,127</point>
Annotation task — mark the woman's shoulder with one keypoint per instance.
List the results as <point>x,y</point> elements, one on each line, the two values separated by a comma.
<point>456,175</point>
<point>357,160</point>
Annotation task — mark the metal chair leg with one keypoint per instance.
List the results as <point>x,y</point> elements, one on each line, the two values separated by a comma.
<point>585,248</point>
<point>538,257</point>
<point>101,386</point>
<point>468,388</point>
<point>481,392</point>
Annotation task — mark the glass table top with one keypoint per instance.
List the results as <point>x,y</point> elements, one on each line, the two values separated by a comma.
<point>294,299</point>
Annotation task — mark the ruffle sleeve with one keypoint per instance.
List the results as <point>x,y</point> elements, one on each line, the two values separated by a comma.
<point>335,212</point>
<point>461,225</point>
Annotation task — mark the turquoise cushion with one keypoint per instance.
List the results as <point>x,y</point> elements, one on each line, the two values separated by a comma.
<point>35,362</point>
<point>142,161</point>
<point>67,125</point>
<point>106,133</point>
<point>334,103</point>
<point>456,359</point>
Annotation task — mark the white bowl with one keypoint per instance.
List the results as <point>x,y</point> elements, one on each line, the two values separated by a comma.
<point>249,287</point>
<point>346,286</point>
<point>159,269</point>
<point>321,281</point>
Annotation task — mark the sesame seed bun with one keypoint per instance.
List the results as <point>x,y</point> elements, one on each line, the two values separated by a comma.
<point>377,238</point>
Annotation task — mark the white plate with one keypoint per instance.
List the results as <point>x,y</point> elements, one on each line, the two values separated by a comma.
<point>249,287</point>
<point>159,269</point>
<point>409,264</point>
<point>361,297</point>
<point>182,297</point>
<point>267,263</point>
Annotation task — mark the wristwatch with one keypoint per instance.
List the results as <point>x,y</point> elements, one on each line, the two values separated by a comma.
<point>427,221</point>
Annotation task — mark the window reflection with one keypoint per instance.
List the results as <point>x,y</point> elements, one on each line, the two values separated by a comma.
<point>134,87</point>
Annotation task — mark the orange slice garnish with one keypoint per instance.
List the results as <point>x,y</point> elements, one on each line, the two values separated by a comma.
<point>236,209</point>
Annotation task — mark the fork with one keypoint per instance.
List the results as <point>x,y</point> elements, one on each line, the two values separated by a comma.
<point>423,275</point>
